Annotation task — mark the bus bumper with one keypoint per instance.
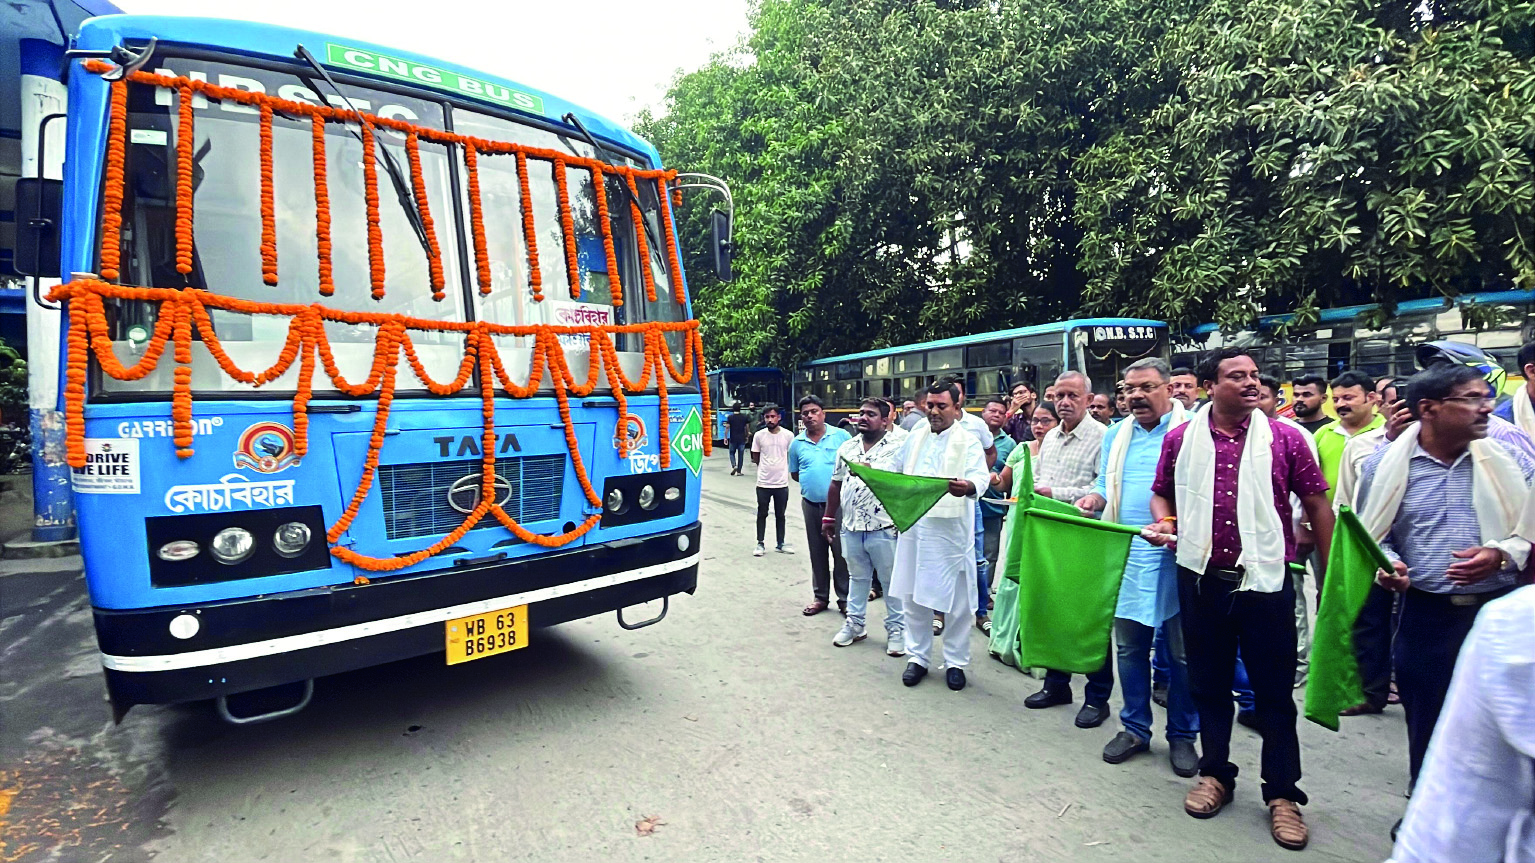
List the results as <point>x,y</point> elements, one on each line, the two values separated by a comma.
<point>246,644</point>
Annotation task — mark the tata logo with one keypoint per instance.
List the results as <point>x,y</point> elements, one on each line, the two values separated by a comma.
<point>470,445</point>
<point>465,493</point>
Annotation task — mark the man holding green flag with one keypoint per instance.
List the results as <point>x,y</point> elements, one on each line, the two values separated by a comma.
<point>935,558</point>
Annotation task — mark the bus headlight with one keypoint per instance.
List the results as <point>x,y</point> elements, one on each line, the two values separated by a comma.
<point>673,493</point>
<point>232,545</point>
<point>291,539</point>
<point>648,497</point>
<point>178,550</point>
<point>615,500</point>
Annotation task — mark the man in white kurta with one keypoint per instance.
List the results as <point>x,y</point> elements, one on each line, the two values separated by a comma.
<point>935,560</point>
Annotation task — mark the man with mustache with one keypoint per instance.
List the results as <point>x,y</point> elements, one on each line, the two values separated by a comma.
<point>1354,398</point>
<point>1148,594</point>
<point>1310,392</point>
<point>1221,497</point>
<point>1445,503</point>
<point>1184,386</point>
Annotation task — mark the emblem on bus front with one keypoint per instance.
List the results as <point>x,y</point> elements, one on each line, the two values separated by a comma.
<point>464,493</point>
<point>267,447</point>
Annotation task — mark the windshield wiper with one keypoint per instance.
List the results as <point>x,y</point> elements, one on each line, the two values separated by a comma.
<point>573,120</point>
<point>402,191</point>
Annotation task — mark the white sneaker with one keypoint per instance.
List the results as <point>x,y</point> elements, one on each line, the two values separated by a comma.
<point>895,643</point>
<point>761,550</point>
<point>848,634</point>
<point>785,549</point>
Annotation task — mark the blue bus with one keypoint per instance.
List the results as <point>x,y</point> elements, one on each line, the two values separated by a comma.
<point>744,386</point>
<point>367,355</point>
<point>989,363</point>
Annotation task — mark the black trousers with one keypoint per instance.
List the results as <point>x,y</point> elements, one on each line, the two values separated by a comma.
<point>1100,683</point>
<point>1217,620</point>
<point>1372,643</point>
<point>827,568</point>
<point>780,499</point>
<point>1428,642</point>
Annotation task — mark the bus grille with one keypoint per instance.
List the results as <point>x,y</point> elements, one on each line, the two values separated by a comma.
<point>419,498</point>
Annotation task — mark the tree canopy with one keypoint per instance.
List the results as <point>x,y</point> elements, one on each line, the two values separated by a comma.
<point>910,170</point>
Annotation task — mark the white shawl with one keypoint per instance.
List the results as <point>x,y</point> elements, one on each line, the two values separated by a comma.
<point>1524,412</point>
<point>1263,545</point>
<point>1498,494</point>
<point>954,465</point>
<point>1114,478</point>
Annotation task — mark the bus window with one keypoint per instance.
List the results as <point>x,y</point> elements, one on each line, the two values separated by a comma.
<point>1103,352</point>
<point>226,254</point>
<point>994,354</point>
<point>908,363</point>
<point>910,386</point>
<point>943,360</point>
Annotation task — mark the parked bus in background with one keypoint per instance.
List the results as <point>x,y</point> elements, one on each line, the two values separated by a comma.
<point>989,363</point>
<point>743,387</point>
<point>368,356</point>
<point>1341,338</point>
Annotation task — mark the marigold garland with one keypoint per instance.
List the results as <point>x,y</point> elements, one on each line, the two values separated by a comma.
<point>529,233</point>
<point>184,183</point>
<point>184,312</point>
<point>112,191</point>
<point>567,229</point>
<point>268,204</point>
<point>669,232</point>
<point>638,219</point>
<point>477,218</point>
<point>418,182</point>
<point>322,208</point>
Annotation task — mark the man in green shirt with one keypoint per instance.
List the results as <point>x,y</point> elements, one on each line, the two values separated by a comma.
<point>1353,397</point>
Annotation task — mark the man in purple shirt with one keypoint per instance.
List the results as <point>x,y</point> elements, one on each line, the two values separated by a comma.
<point>1218,617</point>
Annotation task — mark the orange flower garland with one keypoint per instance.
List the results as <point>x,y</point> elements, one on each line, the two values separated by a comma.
<point>638,219</point>
<point>529,235</point>
<point>112,191</point>
<point>370,196</point>
<point>599,182</point>
<point>185,312</point>
<point>477,217</point>
<point>418,182</point>
<point>184,184</point>
<point>268,205</point>
<point>669,231</point>
<point>567,229</point>
<point>322,208</point>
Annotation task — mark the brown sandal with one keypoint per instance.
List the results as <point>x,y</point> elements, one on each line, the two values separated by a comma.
<point>1207,799</point>
<point>815,608</point>
<point>1286,825</point>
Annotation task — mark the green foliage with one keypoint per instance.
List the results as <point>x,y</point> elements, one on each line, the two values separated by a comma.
<point>13,386</point>
<point>910,170</point>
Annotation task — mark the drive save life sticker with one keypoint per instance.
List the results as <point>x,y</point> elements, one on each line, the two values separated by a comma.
<point>111,467</point>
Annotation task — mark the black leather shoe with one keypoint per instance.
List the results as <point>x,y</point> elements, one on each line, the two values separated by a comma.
<point>913,674</point>
<point>1396,828</point>
<point>1092,715</point>
<point>1159,695</point>
<point>1248,719</point>
<point>1047,697</point>
<point>1123,746</point>
<point>1184,757</point>
<point>956,678</point>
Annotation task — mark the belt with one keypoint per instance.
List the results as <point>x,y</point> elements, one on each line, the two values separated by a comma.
<point>1460,599</point>
<point>1225,573</point>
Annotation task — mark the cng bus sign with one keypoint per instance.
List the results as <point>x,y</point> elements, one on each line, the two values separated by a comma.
<point>357,59</point>
<point>688,442</point>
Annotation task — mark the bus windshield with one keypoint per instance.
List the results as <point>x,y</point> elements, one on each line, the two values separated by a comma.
<point>227,255</point>
<point>1103,352</point>
<point>748,388</point>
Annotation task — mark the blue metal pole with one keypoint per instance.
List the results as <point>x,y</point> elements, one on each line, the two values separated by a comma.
<point>42,94</point>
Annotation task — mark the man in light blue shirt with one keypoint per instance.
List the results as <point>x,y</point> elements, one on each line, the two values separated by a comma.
<point>812,458</point>
<point>1148,595</point>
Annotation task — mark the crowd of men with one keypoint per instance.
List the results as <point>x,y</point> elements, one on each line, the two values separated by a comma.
<point>1211,621</point>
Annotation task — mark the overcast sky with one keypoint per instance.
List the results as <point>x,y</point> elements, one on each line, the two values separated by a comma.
<point>612,58</point>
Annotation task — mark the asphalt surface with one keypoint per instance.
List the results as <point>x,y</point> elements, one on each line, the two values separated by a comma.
<point>731,731</point>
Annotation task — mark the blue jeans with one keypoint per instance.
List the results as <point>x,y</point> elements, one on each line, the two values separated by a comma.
<point>1241,689</point>
<point>982,568</point>
<point>868,551</point>
<point>737,455</point>
<point>1135,641</point>
<point>1159,657</point>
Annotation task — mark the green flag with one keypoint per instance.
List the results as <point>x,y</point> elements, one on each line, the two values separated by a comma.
<point>906,498</point>
<point>1023,484</point>
<point>1333,681</point>
<point>1068,570</point>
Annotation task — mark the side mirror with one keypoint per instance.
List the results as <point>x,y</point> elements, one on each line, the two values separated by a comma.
<point>39,208</point>
<point>719,244</point>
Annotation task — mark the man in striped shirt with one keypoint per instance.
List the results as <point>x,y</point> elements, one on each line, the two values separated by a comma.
<point>1443,566</point>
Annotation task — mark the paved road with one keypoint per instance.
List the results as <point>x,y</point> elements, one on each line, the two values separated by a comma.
<point>735,722</point>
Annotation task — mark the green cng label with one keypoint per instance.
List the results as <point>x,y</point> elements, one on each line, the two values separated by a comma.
<point>688,442</point>
<point>430,76</point>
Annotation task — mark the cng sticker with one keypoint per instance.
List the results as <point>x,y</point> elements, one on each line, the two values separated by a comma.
<point>688,442</point>
<point>421,74</point>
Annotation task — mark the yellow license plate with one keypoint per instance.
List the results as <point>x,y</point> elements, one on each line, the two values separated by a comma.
<point>481,635</point>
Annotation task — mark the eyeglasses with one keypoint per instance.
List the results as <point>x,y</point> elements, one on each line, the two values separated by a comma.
<point>1041,421</point>
<point>1478,401</point>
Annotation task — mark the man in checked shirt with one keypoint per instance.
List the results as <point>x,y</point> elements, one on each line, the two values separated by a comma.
<point>1435,493</point>
<point>1068,467</point>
